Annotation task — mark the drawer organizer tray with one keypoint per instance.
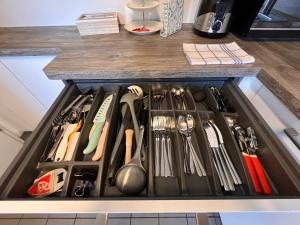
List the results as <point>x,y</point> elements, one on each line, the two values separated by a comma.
<point>282,172</point>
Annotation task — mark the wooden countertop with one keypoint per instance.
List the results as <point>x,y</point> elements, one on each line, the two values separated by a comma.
<point>126,56</point>
<point>117,56</point>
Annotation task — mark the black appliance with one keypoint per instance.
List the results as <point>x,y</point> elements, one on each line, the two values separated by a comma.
<point>267,19</point>
<point>213,18</point>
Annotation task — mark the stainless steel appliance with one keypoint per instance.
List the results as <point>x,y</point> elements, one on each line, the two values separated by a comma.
<point>213,18</point>
<point>276,19</point>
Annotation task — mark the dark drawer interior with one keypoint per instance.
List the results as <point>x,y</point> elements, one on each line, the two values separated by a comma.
<point>281,172</point>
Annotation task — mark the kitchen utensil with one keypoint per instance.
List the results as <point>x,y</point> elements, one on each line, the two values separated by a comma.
<point>65,111</point>
<point>182,128</point>
<point>139,92</point>
<point>128,126</point>
<point>79,125</point>
<point>248,146</point>
<point>185,126</point>
<point>71,146</point>
<point>99,122</point>
<point>119,138</point>
<point>100,146</point>
<point>225,181</point>
<point>222,101</point>
<point>136,90</point>
<point>129,135</point>
<point>158,96</point>
<point>155,128</point>
<point>130,98</point>
<point>131,178</point>
<point>56,133</point>
<point>232,170</point>
<point>49,183</point>
<point>116,155</point>
<point>170,126</point>
<point>179,95</point>
<point>165,164</point>
<point>77,108</point>
<point>62,148</point>
<point>252,148</point>
<point>191,125</point>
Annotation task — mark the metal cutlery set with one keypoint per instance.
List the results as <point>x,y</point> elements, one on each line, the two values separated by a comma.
<point>248,145</point>
<point>179,98</point>
<point>66,130</point>
<point>158,98</point>
<point>226,171</point>
<point>192,163</point>
<point>162,126</point>
<point>176,129</point>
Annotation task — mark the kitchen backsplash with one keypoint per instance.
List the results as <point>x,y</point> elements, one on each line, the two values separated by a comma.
<point>14,13</point>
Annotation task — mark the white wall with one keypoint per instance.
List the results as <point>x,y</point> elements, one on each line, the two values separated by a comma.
<point>15,13</point>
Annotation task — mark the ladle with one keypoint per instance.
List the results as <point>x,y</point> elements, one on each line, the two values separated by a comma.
<point>131,178</point>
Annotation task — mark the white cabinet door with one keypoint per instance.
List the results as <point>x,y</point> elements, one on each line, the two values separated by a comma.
<point>20,110</point>
<point>260,218</point>
<point>28,70</point>
<point>9,149</point>
<point>275,113</point>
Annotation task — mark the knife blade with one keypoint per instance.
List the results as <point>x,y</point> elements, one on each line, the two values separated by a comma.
<point>99,121</point>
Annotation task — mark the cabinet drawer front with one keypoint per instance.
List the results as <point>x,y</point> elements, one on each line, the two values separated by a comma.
<point>281,171</point>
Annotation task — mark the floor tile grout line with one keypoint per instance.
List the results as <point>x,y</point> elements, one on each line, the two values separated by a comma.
<point>19,220</point>
<point>47,220</point>
<point>75,219</point>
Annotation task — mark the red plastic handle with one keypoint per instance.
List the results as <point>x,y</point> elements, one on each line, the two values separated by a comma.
<point>260,174</point>
<point>251,170</point>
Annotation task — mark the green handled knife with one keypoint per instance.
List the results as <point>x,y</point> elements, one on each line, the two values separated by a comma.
<point>99,121</point>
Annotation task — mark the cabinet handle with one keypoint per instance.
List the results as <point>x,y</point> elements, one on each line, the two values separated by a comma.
<point>293,135</point>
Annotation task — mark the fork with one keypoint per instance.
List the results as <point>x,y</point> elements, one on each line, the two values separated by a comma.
<point>155,128</point>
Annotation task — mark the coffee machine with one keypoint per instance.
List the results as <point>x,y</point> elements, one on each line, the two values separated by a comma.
<point>213,18</point>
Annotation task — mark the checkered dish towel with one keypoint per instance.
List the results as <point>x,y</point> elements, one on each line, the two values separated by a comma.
<point>208,54</point>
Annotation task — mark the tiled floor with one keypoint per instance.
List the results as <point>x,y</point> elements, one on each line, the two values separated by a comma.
<point>113,219</point>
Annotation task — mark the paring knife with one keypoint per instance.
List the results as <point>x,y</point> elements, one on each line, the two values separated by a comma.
<point>99,123</point>
<point>100,146</point>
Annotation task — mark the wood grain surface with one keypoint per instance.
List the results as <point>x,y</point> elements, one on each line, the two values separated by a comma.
<point>126,56</point>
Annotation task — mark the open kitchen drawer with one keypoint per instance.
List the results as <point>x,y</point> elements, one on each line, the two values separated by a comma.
<point>179,193</point>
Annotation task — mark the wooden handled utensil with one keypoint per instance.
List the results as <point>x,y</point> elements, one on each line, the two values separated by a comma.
<point>62,148</point>
<point>100,147</point>
<point>128,125</point>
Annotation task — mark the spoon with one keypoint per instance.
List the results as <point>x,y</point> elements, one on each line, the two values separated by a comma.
<point>191,124</point>
<point>131,178</point>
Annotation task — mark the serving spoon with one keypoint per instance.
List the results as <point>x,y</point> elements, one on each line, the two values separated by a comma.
<point>131,178</point>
